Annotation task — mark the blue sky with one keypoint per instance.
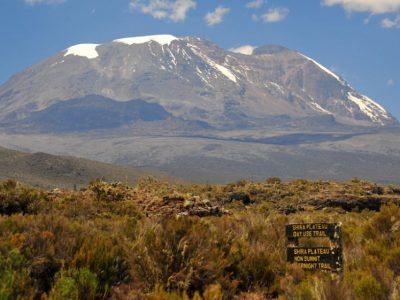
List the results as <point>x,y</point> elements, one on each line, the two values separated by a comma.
<point>358,39</point>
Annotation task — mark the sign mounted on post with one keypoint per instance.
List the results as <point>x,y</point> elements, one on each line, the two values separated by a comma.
<point>315,258</point>
<point>294,231</point>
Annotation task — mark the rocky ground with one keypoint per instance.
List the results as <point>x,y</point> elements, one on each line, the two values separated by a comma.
<point>157,199</point>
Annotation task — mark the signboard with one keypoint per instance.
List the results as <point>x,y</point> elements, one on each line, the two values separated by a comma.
<point>315,258</point>
<point>311,230</point>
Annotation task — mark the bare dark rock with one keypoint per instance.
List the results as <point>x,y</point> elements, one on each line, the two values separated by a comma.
<point>351,204</point>
<point>173,198</point>
<point>290,209</point>
<point>239,196</point>
<point>204,212</point>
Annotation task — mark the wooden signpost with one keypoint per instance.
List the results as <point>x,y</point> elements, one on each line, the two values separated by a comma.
<point>315,258</point>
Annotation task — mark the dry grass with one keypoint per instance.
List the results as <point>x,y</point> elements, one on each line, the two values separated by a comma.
<point>116,241</point>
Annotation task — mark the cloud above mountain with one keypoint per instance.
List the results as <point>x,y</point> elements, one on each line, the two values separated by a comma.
<point>367,6</point>
<point>34,2</point>
<point>215,17</point>
<point>176,11</point>
<point>255,4</point>
<point>391,23</point>
<point>274,15</point>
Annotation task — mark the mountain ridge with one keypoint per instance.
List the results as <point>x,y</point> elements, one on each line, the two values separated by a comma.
<point>193,79</point>
<point>191,109</point>
<point>55,171</point>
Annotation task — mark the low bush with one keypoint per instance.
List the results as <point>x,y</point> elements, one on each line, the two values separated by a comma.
<point>105,191</point>
<point>104,257</point>
<point>15,198</point>
<point>113,241</point>
<point>14,276</point>
<point>368,288</point>
<point>75,284</point>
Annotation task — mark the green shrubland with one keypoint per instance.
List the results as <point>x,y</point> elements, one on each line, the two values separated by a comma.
<point>113,241</point>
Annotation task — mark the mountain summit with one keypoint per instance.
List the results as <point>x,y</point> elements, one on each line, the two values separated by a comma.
<point>187,107</point>
<point>189,79</point>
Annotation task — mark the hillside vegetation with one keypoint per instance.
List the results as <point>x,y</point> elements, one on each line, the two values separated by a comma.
<point>50,171</point>
<point>158,240</point>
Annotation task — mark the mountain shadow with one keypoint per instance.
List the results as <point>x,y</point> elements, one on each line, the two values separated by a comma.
<point>93,112</point>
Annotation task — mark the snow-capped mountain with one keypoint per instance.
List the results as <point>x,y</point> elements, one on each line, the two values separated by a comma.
<point>189,79</point>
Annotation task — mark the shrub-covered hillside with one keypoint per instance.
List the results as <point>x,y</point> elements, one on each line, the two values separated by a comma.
<point>157,240</point>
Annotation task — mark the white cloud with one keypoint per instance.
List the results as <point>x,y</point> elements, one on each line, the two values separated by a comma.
<point>255,4</point>
<point>33,2</point>
<point>215,17</point>
<point>367,20</point>
<point>368,6</point>
<point>176,10</point>
<point>388,23</point>
<point>246,49</point>
<point>275,15</point>
<point>390,82</point>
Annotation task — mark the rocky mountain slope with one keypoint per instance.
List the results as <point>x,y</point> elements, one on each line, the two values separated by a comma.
<point>192,109</point>
<point>191,79</point>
